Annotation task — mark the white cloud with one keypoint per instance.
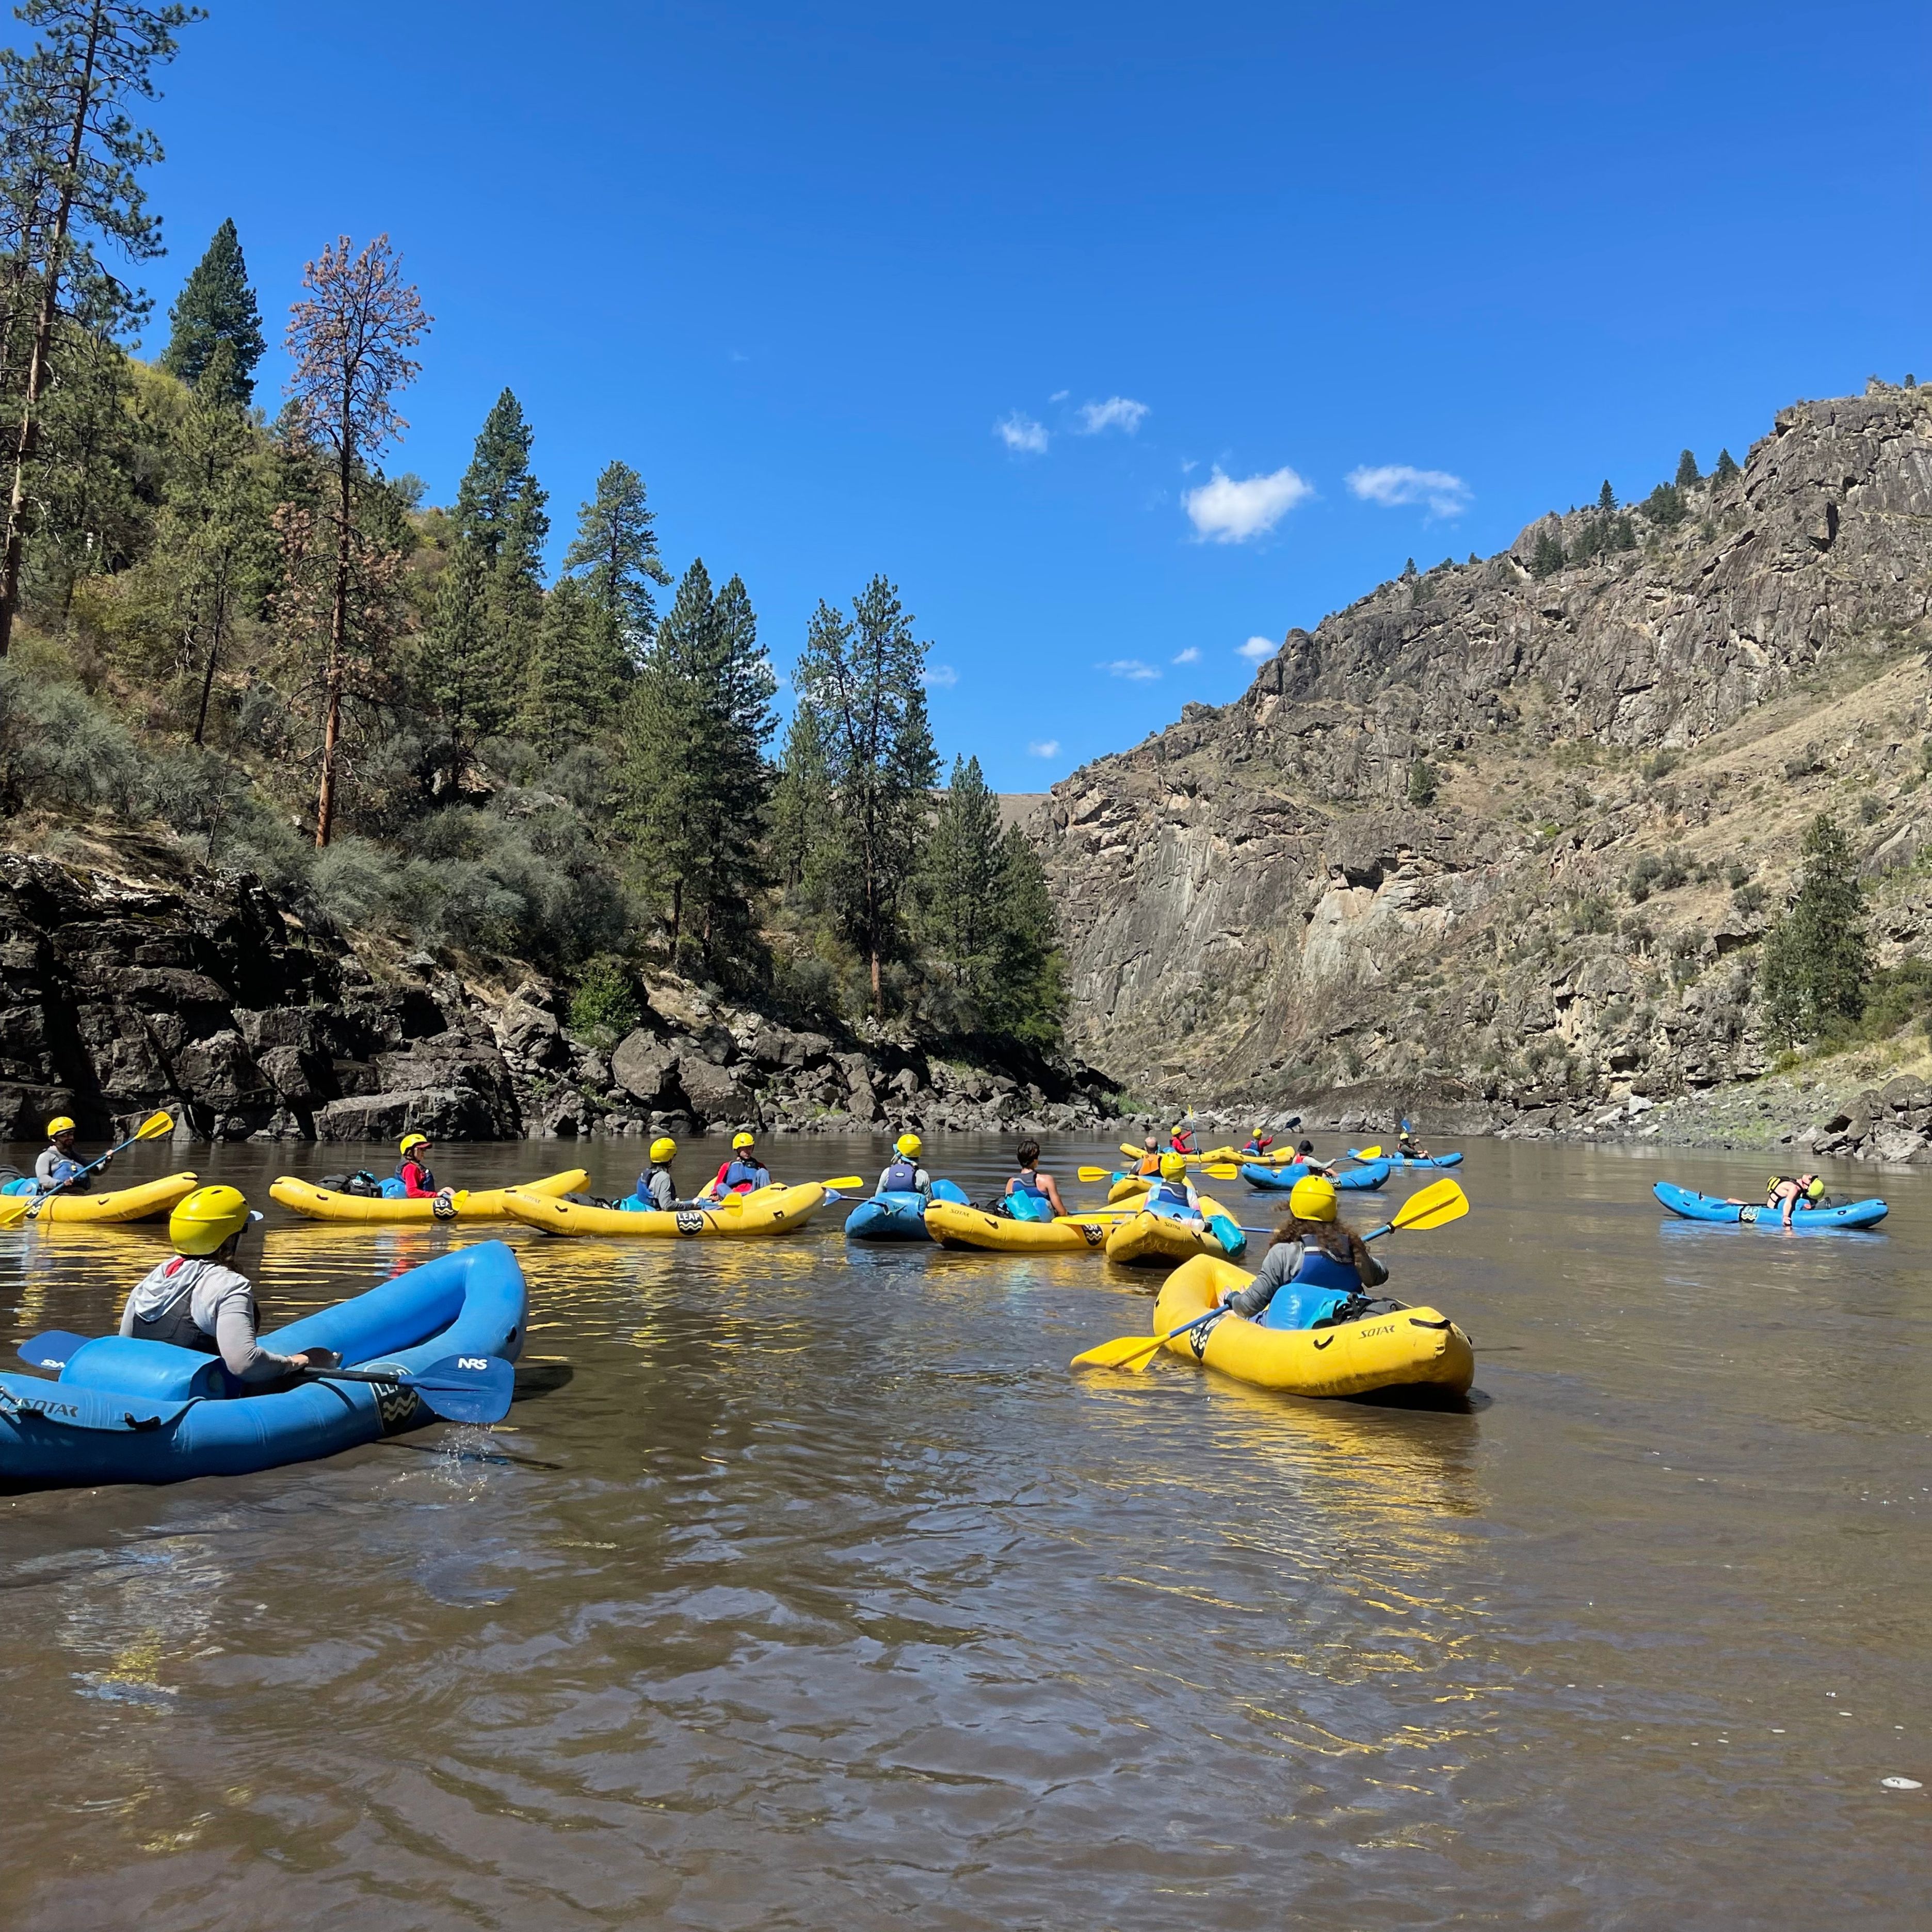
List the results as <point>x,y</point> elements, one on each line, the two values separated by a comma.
<point>1393,484</point>
<point>1022,434</point>
<point>1116,412</point>
<point>942,676</point>
<point>1256,649</point>
<point>1226,510</point>
<point>1131,668</point>
<point>1190,656</point>
<point>1059,395</point>
<point>1045,748</point>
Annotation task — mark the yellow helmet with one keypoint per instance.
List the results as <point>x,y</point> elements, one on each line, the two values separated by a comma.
<point>907,1144</point>
<point>207,1218</point>
<point>411,1141</point>
<point>1313,1199</point>
<point>740,1141</point>
<point>662,1150</point>
<point>59,1124</point>
<point>1173,1166</point>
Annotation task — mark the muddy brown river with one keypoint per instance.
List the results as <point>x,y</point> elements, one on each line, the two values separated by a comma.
<point>805,1587</point>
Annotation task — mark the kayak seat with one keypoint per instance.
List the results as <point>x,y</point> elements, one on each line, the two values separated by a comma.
<point>1303,1305</point>
<point>152,1371</point>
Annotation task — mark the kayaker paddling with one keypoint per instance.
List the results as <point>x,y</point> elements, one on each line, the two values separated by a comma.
<point>1258,1142</point>
<point>743,1174</point>
<point>1149,1163</point>
<point>198,1300</point>
<point>1181,1141</point>
<point>59,1167</point>
<point>655,1185</point>
<point>903,1174</point>
<point>1031,1196</point>
<point>1316,1255</point>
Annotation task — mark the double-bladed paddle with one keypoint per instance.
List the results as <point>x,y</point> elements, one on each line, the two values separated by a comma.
<point>459,1388</point>
<point>15,1208</point>
<point>1432,1207</point>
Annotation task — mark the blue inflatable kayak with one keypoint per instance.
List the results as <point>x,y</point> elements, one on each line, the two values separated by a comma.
<point>1415,1160</point>
<point>1279,1179</point>
<point>1695,1207</point>
<point>131,1412</point>
<point>897,1217</point>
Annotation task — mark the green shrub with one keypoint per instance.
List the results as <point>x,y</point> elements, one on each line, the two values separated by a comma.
<point>1421,783</point>
<point>1660,765</point>
<point>605,1006</point>
<point>1547,558</point>
<point>1749,899</point>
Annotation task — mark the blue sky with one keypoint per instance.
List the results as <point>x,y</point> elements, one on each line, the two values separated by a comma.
<point>1078,320</point>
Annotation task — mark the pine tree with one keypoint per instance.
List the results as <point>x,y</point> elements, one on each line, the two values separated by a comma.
<point>1687,477</point>
<point>571,684</point>
<point>1546,557</point>
<point>1726,469</point>
<point>958,884</point>
<point>500,515</point>
<point>864,677</point>
<point>1817,959</point>
<point>497,477</point>
<point>456,670</point>
<point>615,549</point>
<point>1664,506</point>
<point>216,305</point>
<point>801,805</point>
<point>1607,498</point>
<point>1027,1000</point>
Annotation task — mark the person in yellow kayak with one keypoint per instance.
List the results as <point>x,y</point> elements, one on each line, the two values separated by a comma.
<point>903,1174</point>
<point>656,1188</point>
<point>1031,1196</point>
<point>1315,1256</point>
<point>1181,1141</point>
<point>1173,1194</point>
<point>60,1167</point>
<point>198,1300</point>
<point>743,1174</point>
<point>413,1170</point>
<point>1149,1163</point>
<point>1258,1143</point>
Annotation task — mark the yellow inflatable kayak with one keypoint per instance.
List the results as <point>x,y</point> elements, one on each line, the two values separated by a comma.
<point>324,1204</point>
<point>1410,1347</point>
<point>1158,1240</point>
<point>953,1225</point>
<point>771,1210</point>
<point>124,1204</point>
<point>1127,1186</point>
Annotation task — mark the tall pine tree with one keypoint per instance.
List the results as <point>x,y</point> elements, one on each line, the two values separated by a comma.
<point>1817,957</point>
<point>500,515</point>
<point>456,668</point>
<point>216,305</point>
<point>574,668</point>
<point>864,677</point>
<point>616,551</point>
<point>959,885</point>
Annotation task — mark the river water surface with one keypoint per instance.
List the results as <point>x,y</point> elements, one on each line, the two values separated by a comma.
<point>806,1587</point>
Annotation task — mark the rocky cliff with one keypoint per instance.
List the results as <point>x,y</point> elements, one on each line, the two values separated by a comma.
<point>144,981</point>
<point>1505,842</point>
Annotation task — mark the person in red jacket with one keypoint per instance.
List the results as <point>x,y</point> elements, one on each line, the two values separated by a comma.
<point>418,1183</point>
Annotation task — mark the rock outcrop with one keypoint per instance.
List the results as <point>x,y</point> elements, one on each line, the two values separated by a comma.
<point>159,984</point>
<point>1414,852</point>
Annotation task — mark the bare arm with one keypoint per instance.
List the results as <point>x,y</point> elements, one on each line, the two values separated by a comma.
<point>1046,1181</point>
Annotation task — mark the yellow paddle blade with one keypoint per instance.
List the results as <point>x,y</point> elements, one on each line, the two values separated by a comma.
<point>1119,1353</point>
<point>1096,1174</point>
<point>14,1209</point>
<point>153,1126</point>
<point>1222,1170</point>
<point>844,1181</point>
<point>1433,1206</point>
<point>1370,1154</point>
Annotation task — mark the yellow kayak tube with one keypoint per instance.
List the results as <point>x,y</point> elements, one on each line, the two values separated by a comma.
<point>1128,1187</point>
<point>770,1210</point>
<point>1413,1347</point>
<point>143,1203</point>
<point>1159,1240</point>
<point>488,1203</point>
<point>954,1225</point>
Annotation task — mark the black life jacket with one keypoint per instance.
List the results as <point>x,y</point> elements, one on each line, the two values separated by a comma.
<point>425,1180</point>
<point>175,1323</point>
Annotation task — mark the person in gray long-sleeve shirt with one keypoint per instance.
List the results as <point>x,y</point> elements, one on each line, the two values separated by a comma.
<point>1320,1255</point>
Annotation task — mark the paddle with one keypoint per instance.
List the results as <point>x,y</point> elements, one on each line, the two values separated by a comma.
<point>1432,1207</point>
<point>15,1208</point>
<point>460,1388</point>
<point>1366,1153</point>
<point>847,1181</point>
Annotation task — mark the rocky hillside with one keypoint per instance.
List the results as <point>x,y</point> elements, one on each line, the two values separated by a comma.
<point>145,981</point>
<point>1505,843</point>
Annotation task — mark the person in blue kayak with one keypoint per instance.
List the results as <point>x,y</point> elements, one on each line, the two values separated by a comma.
<point>1304,1156</point>
<point>902,1174</point>
<point>656,1188</point>
<point>743,1174</point>
<point>1173,1193</point>
<point>1405,1143</point>
<point>1031,1196</point>
<point>198,1300</point>
<point>1786,1193</point>
<point>1315,1254</point>
<point>60,1167</point>
<point>1258,1144</point>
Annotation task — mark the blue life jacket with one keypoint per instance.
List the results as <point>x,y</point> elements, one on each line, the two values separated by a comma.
<point>1319,1288</point>
<point>424,1179</point>
<point>742,1176</point>
<point>901,1177</point>
<point>1027,1200</point>
<point>1169,1197</point>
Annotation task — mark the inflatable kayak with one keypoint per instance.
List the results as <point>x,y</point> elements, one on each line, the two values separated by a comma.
<point>771,1210</point>
<point>897,1217</point>
<point>1157,1238</point>
<point>1695,1207</point>
<point>1280,1181</point>
<point>1410,1347</point>
<point>123,1204</point>
<point>325,1203</point>
<point>1420,1160</point>
<point>955,1225</point>
<point>130,1411</point>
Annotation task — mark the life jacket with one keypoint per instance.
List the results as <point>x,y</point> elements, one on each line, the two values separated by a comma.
<point>1807,1197</point>
<point>1317,1288</point>
<point>735,1177</point>
<point>1149,1163</point>
<point>175,1323</point>
<point>416,1178</point>
<point>1169,1194</point>
<point>1026,1200</point>
<point>1259,1144</point>
<point>901,1177</point>
<point>1181,1143</point>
